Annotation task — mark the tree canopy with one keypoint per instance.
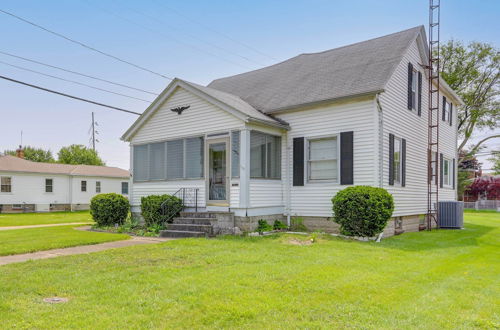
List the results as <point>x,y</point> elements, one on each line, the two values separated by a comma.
<point>34,154</point>
<point>473,72</point>
<point>79,154</point>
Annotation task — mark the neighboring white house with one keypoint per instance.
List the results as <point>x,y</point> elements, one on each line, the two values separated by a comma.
<point>281,141</point>
<point>41,187</point>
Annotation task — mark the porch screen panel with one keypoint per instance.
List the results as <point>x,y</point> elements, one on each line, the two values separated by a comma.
<point>157,161</point>
<point>235,154</point>
<point>194,158</point>
<point>273,157</point>
<point>141,162</point>
<point>175,159</point>
<point>257,155</point>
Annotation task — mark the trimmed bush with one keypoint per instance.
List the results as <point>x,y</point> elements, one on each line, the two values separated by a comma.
<point>362,210</point>
<point>109,209</point>
<point>151,208</point>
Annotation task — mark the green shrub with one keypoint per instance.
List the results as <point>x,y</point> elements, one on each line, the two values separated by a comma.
<point>264,226</point>
<point>278,225</point>
<point>297,224</point>
<point>151,208</point>
<point>362,210</point>
<point>109,209</point>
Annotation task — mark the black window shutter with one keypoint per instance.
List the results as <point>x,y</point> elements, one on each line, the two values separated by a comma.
<point>444,106</point>
<point>410,77</point>
<point>298,161</point>
<point>391,159</point>
<point>403,162</point>
<point>346,158</point>
<point>453,173</point>
<point>451,114</point>
<point>441,172</point>
<point>419,109</point>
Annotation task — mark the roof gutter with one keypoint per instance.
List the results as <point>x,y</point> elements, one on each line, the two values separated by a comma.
<point>327,101</point>
<point>269,123</point>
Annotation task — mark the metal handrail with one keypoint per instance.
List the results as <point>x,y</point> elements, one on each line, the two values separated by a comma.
<point>188,197</point>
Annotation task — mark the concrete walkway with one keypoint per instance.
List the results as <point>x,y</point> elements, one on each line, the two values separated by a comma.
<point>41,226</point>
<point>83,249</point>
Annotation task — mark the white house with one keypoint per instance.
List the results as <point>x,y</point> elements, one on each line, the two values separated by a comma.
<point>281,141</point>
<point>28,186</point>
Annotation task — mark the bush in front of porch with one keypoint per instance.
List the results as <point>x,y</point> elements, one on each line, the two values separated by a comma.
<point>151,208</point>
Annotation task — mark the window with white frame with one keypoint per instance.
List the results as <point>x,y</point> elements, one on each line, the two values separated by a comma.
<point>414,89</point>
<point>265,156</point>
<point>447,172</point>
<point>83,186</point>
<point>124,188</point>
<point>433,165</point>
<point>396,165</point>
<point>447,111</point>
<point>98,186</point>
<point>323,159</point>
<point>49,185</point>
<point>5,184</point>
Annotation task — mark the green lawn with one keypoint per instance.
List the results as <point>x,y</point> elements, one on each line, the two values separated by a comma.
<point>429,280</point>
<point>25,219</point>
<point>37,239</point>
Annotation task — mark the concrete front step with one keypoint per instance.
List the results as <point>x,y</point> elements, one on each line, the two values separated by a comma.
<point>191,227</point>
<point>203,215</point>
<point>193,221</point>
<point>181,233</point>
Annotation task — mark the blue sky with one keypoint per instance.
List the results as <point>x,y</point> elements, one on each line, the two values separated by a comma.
<point>194,40</point>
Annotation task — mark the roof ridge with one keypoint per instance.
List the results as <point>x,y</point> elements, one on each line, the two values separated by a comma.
<point>315,53</point>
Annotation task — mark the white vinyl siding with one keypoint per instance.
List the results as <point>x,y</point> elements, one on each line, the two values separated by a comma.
<point>398,120</point>
<point>314,198</point>
<point>323,159</point>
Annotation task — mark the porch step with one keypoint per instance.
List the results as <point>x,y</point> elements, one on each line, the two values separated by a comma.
<point>204,215</point>
<point>181,233</point>
<point>208,229</point>
<point>192,221</point>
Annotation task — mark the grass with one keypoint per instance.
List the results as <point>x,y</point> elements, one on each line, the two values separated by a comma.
<point>26,219</point>
<point>38,239</point>
<point>430,280</point>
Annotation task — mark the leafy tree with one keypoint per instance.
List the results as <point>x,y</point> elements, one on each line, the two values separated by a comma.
<point>473,72</point>
<point>79,154</point>
<point>496,163</point>
<point>34,154</point>
<point>488,187</point>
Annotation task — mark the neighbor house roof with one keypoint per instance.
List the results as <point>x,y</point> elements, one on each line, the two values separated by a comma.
<point>15,164</point>
<point>357,69</point>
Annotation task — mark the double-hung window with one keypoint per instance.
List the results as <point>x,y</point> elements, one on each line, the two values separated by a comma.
<point>265,156</point>
<point>124,188</point>
<point>83,186</point>
<point>5,184</point>
<point>323,159</point>
<point>414,89</point>
<point>49,185</point>
<point>396,165</point>
<point>447,111</point>
<point>447,172</point>
<point>98,186</point>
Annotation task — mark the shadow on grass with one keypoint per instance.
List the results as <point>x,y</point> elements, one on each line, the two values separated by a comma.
<point>439,239</point>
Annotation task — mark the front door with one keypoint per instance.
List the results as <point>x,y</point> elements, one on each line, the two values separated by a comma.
<point>218,175</point>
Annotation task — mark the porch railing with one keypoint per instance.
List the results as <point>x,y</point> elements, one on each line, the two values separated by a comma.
<point>188,197</point>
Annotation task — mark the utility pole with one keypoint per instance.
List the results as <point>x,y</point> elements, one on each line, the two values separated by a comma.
<point>93,132</point>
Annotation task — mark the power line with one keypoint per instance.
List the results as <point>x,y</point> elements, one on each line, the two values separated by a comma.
<point>68,95</point>
<point>191,35</point>
<point>73,82</point>
<point>217,32</point>
<point>168,37</point>
<point>85,45</point>
<point>77,73</point>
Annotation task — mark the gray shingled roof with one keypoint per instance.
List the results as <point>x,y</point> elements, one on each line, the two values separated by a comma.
<point>360,68</point>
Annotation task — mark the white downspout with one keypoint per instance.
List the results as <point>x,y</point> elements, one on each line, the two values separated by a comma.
<point>380,142</point>
<point>288,188</point>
